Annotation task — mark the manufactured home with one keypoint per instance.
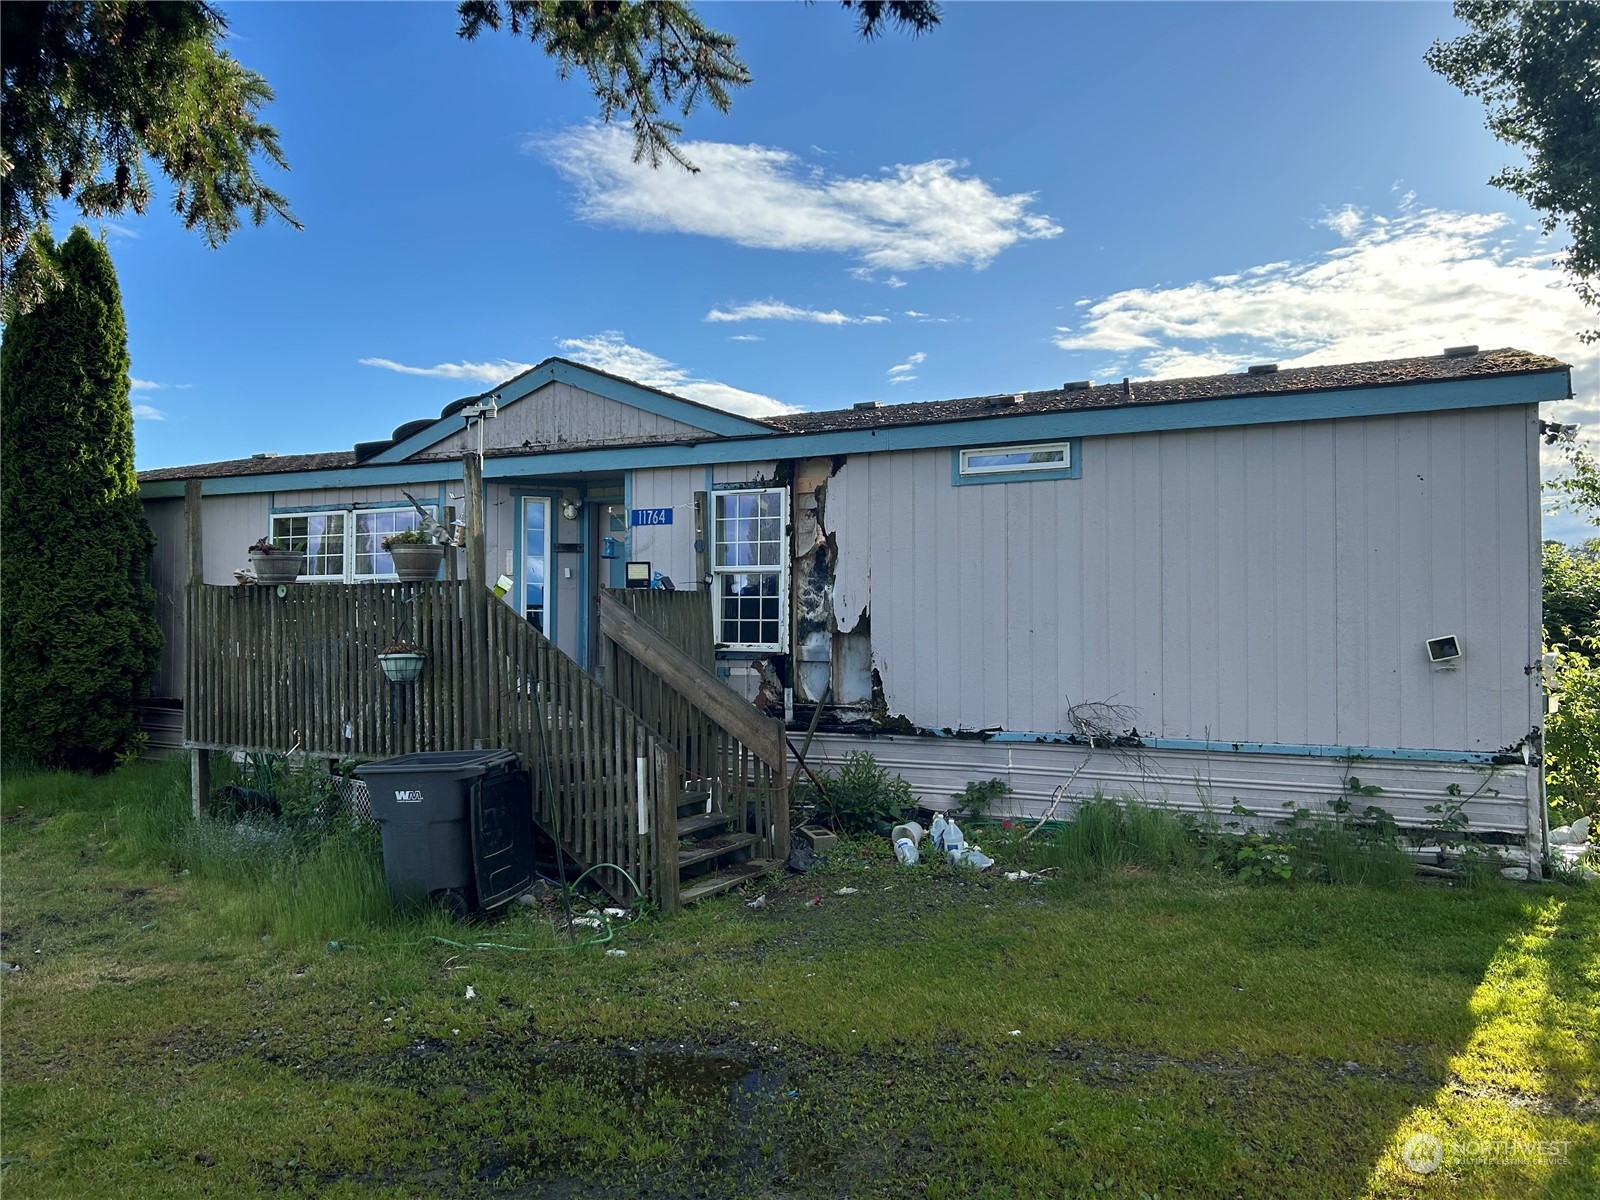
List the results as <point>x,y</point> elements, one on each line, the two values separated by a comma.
<point>1237,590</point>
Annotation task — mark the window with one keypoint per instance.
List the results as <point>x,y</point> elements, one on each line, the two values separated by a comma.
<point>535,560</point>
<point>749,569</point>
<point>1010,464</point>
<point>344,545</point>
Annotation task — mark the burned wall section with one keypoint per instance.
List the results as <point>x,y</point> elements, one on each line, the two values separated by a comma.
<point>832,623</point>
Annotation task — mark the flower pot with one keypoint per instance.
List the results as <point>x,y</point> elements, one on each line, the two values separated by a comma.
<point>277,568</point>
<point>402,666</point>
<point>417,562</point>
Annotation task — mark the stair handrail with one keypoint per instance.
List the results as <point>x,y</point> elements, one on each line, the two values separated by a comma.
<point>763,735</point>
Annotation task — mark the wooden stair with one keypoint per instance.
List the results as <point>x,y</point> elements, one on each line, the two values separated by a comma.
<point>713,856</point>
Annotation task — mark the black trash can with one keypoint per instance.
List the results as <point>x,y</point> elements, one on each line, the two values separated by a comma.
<point>457,826</point>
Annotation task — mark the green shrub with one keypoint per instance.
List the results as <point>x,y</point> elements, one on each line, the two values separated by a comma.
<point>973,801</point>
<point>81,641</point>
<point>1572,738</point>
<point>861,796</point>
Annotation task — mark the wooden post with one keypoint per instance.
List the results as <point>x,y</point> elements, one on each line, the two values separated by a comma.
<point>477,596</point>
<point>199,760</point>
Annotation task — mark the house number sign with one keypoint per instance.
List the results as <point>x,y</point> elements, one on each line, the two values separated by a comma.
<point>650,516</point>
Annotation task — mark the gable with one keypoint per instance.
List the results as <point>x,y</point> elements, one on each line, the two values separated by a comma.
<point>560,414</point>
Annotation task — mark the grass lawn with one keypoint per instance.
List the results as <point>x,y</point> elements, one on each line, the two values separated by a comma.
<point>180,1027</point>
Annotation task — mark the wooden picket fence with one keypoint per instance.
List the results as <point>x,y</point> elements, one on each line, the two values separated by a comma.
<point>299,672</point>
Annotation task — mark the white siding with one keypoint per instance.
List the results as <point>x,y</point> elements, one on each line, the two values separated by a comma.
<point>229,526</point>
<point>1261,584</point>
<point>667,548</point>
<point>560,414</point>
<point>426,493</point>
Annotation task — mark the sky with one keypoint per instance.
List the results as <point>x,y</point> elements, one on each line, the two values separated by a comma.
<point>1029,194</point>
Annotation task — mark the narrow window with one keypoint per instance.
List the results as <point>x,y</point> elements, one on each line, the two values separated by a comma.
<point>749,569</point>
<point>535,560</point>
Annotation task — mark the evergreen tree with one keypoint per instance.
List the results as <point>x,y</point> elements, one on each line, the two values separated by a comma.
<point>79,641</point>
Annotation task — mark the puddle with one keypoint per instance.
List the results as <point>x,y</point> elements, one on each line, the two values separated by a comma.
<point>709,1079</point>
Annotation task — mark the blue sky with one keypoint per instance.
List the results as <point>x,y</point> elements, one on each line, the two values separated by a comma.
<point>1030,194</point>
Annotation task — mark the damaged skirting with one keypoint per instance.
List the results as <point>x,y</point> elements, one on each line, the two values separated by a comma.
<point>1190,780</point>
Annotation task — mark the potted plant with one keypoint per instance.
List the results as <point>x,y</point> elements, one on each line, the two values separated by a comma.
<point>416,555</point>
<point>401,662</point>
<point>276,564</point>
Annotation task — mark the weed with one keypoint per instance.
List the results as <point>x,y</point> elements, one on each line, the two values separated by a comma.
<point>973,801</point>
<point>862,796</point>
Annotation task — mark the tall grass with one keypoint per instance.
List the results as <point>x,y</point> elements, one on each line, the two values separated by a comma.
<point>1104,836</point>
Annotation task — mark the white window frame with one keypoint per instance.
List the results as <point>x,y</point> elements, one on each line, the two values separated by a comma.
<point>721,572</point>
<point>1066,462</point>
<point>350,519</point>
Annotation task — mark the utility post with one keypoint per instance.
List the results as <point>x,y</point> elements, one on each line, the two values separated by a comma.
<point>199,759</point>
<point>478,599</point>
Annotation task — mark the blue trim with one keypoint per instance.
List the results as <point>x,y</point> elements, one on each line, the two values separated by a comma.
<point>585,586</point>
<point>686,412</point>
<point>1072,471</point>
<point>1490,392</point>
<point>1056,426</point>
<point>1288,749</point>
<point>619,565</point>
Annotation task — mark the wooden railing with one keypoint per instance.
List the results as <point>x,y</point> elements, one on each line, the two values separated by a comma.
<point>299,671</point>
<point>683,618</point>
<point>723,743</point>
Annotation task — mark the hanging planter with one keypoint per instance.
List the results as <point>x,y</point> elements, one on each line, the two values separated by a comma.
<point>416,557</point>
<point>276,564</point>
<point>401,663</point>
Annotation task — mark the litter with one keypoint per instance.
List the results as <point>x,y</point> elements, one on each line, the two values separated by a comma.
<point>9,968</point>
<point>615,912</point>
<point>759,902</point>
<point>906,839</point>
<point>616,953</point>
<point>591,922</point>
<point>814,902</point>
<point>845,891</point>
<point>1018,876</point>
<point>471,995</point>
<point>947,836</point>
<point>1571,835</point>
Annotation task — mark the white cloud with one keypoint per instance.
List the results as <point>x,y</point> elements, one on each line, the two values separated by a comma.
<point>911,363</point>
<point>909,216</point>
<point>1395,286</point>
<point>746,337</point>
<point>1407,284</point>
<point>1346,222</point>
<point>778,310</point>
<point>894,281</point>
<point>144,385</point>
<point>145,412</point>
<point>611,352</point>
<point>497,371</point>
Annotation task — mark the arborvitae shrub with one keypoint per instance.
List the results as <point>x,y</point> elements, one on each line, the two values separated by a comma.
<point>79,641</point>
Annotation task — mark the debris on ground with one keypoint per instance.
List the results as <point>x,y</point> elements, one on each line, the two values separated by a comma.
<point>845,891</point>
<point>759,902</point>
<point>905,839</point>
